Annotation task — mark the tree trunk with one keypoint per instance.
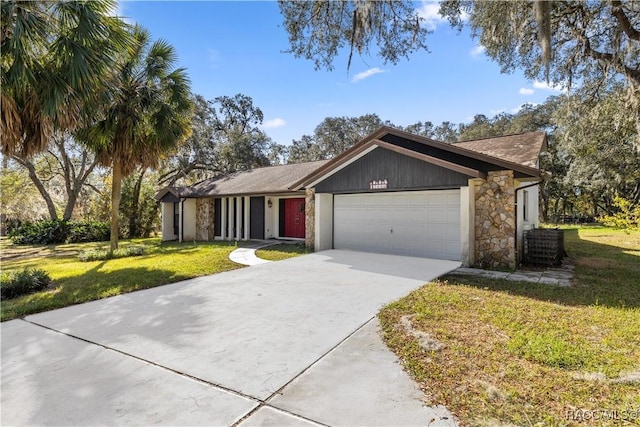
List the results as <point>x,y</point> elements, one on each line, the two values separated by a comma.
<point>51,207</point>
<point>134,216</point>
<point>116,187</point>
<point>71,204</point>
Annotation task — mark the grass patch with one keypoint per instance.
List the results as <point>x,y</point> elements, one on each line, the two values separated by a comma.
<point>105,254</point>
<point>281,251</point>
<point>517,353</point>
<point>76,281</point>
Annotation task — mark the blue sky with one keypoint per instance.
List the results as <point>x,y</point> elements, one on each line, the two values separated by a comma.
<point>237,47</point>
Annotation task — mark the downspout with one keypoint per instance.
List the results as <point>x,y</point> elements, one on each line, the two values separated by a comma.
<point>181,220</point>
<point>515,223</point>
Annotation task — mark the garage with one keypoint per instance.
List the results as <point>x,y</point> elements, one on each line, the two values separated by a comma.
<point>412,223</point>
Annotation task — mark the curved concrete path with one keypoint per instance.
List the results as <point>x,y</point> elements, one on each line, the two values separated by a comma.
<point>247,256</point>
<point>293,342</point>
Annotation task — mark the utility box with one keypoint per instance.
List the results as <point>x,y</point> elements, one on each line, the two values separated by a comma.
<point>543,246</point>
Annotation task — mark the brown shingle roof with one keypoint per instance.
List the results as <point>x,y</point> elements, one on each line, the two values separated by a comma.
<point>267,180</point>
<point>508,151</point>
<point>523,148</point>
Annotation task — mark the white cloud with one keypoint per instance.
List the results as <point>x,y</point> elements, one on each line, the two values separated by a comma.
<point>544,85</point>
<point>526,91</point>
<point>370,72</point>
<point>274,123</point>
<point>429,12</point>
<point>514,110</point>
<point>477,51</point>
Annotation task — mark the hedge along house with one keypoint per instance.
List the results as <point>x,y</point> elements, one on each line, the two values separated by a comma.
<point>392,192</point>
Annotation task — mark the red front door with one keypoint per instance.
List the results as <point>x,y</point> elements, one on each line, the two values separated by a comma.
<point>294,218</point>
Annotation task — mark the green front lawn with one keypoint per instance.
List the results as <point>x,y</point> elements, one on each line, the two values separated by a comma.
<point>76,282</point>
<point>281,251</point>
<point>519,353</point>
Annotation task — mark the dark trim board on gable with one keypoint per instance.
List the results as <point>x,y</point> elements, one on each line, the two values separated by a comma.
<point>464,160</point>
<point>400,172</point>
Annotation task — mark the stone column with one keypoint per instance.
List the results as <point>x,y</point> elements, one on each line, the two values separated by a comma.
<point>495,245</point>
<point>204,219</point>
<point>310,218</point>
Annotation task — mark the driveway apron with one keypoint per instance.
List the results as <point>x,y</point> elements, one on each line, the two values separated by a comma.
<point>256,345</point>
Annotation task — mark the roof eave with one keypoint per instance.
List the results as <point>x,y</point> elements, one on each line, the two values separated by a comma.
<point>371,139</point>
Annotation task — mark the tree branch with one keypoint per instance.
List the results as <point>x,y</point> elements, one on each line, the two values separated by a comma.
<point>625,24</point>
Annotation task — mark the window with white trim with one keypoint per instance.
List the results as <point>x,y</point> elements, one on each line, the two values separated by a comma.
<point>525,205</point>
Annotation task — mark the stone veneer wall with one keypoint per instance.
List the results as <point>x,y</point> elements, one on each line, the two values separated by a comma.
<point>204,219</point>
<point>495,245</point>
<point>310,218</point>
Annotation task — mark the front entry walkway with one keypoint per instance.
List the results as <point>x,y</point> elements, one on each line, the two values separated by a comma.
<point>558,276</point>
<point>293,342</point>
<point>247,255</point>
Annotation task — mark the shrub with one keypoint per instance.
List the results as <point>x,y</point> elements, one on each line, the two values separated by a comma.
<point>89,231</point>
<point>40,232</point>
<point>23,282</point>
<point>59,231</point>
<point>103,254</point>
<point>627,217</point>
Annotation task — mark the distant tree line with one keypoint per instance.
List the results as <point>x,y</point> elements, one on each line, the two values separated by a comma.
<point>96,115</point>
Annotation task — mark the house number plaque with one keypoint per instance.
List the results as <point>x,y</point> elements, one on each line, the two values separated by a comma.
<point>378,184</point>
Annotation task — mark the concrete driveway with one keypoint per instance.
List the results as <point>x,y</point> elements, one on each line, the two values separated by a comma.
<point>293,342</point>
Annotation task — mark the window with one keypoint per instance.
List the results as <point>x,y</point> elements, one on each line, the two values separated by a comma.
<point>176,218</point>
<point>525,205</point>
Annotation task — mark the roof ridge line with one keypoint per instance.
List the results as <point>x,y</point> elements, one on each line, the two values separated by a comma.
<point>494,137</point>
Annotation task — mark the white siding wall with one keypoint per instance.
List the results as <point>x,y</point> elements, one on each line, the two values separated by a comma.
<point>533,214</point>
<point>467,223</point>
<point>270,217</point>
<point>167,222</point>
<point>189,220</point>
<point>324,222</point>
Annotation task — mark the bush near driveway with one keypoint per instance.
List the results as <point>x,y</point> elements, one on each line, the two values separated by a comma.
<point>519,353</point>
<point>76,281</point>
<point>23,282</point>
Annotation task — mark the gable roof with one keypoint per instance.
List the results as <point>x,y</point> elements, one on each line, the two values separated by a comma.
<point>472,160</point>
<point>523,148</point>
<point>266,180</point>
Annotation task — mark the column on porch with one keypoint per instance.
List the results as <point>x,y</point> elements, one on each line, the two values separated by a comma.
<point>247,210</point>
<point>238,235</point>
<point>223,218</point>
<point>232,212</point>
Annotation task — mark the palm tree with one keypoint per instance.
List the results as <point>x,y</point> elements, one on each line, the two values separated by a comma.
<point>147,115</point>
<point>55,56</point>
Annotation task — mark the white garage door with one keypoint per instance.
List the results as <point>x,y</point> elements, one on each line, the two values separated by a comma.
<point>414,223</point>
